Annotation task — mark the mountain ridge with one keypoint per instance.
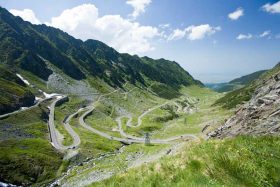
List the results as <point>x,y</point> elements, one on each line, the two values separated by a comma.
<point>236,83</point>
<point>28,47</point>
<point>94,56</point>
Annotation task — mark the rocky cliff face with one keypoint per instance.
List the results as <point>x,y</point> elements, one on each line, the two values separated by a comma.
<point>259,116</point>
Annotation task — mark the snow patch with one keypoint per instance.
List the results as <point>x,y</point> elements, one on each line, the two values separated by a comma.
<point>7,185</point>
<point>38,98</point>
<point>24,80</point>
<point>52,144</point>
<point>59,96</point>
<point>50,95</point>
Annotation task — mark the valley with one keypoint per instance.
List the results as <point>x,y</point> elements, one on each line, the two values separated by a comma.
<point>113,124</point>
<point>79,113</point>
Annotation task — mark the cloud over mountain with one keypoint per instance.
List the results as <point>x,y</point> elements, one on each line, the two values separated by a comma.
<point>27,15</point>
<point>84,22</point>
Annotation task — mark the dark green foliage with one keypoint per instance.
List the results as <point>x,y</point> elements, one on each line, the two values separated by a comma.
<point>28,161</point>
<point>170,116</point>
<point>21,44</point>
<point>26,156</point>
<point>169,72</point>
<point>34,64</point>
<point>165,91</point>
<point>14,94</point>
<point>10,76</point>
<point>236,97</point>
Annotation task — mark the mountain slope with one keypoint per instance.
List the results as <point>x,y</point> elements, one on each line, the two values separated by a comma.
<point>55,62</point>
<point>14,93</point>
<point>39,49</point>
<point>26,46</point>
<point>260,115</point>
<point>247,79</point>
<point>236,83</point>
<point>245,151</point>
<point>236,97</point>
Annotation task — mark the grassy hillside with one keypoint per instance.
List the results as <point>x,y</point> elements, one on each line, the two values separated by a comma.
<point>239,161</point>
<point>162,123</point>
<point>26,156</point>
<point>236,97</point>
<point>166,98</point>
<point>14,93</point>
<point>243,161</point>
<point>247,79</point>
<point>237,83</point>
<point>38,51</point>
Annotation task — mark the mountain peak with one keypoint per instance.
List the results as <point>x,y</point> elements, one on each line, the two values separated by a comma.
<point>78,59</point>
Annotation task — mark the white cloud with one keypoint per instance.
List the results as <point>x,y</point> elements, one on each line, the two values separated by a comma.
<point>244,36</point>
<point>272,8</point>
<point>236,14</point>
<point>200,31</point>
<point>193,32</point>
<point>277,36</point>
<point>125,35</point>
<point>177,34</point>
<point>26,15</point>
<point>164,26</point>
<point>264,34</point>
<point>139,6</point>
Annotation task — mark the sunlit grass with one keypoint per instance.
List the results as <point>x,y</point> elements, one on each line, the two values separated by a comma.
<point>242,161</point>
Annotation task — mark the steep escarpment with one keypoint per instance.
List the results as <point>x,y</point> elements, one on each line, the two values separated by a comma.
<point>261,114</point>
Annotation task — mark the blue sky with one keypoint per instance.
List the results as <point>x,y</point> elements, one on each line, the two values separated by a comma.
<point>215,40</point>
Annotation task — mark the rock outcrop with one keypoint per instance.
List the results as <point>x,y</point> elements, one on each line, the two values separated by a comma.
<point>259,116</point>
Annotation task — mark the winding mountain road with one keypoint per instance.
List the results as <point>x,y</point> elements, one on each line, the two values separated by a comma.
<point>128,138</point>
<point>27,108</point>
<point>105,135</point>
<point>53,132</point>
<point>73,134</point>
<point>57,144</point>
<point>118,120</point>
